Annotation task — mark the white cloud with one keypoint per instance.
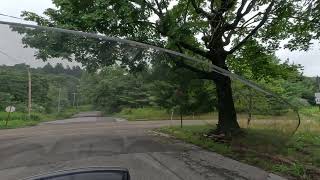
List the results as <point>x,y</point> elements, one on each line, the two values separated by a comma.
<point>309,59</point>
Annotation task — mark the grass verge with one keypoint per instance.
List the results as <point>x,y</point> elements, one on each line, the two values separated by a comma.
<point>312,113</point>
<point>20,119</point>
<point>154,113</point>
<point>295,158</point>
<point>145,114</point>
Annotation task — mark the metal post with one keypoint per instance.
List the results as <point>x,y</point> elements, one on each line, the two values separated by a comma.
<point>29,93</point>
<point>8,118</point>
<point>318,84</point>
<point>180,118</point>
<point>77,102</point>
<point>59,100</point>
<point>171,116</point>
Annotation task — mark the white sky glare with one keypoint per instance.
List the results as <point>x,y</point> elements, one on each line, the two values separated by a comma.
<point>310,59</point>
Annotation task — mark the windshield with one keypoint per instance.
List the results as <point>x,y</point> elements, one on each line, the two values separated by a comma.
<point>74,99</point>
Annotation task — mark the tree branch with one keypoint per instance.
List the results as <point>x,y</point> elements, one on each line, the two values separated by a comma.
<point>200,10</point>
<point>228,38</point>
<point>240,15</point>
<point>211,7</point>
<point>264,19</point>
<point>258,14</point>
<point>159,7</point>
<point>194,49</point>
<point>250,6</point>
<point>153,9</point>
<point>201,74</point>
<point>186,12</point>
<point>227,4</point>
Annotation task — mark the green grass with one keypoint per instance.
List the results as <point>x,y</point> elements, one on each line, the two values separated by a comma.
<point>192,134</point>
<point>153,113</point>
<point>20,119</point>
<point>145,114</point>
<point>312,113</point>
<point>262,148</point>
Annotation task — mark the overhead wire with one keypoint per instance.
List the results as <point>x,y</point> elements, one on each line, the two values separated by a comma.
<point>10,16</point>
<point>146,46</point>
<point>11,57</point>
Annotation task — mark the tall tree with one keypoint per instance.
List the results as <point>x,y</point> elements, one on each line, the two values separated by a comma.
<point>48,68</point>
<point>224,26</point>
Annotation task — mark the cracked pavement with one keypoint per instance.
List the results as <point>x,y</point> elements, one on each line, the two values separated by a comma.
<point>89,140</point>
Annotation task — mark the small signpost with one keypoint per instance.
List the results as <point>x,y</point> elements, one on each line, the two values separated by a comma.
<point>317,99</point>
<point>9,110</point>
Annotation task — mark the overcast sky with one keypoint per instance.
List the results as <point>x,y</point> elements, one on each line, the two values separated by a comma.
<point>310,60</point>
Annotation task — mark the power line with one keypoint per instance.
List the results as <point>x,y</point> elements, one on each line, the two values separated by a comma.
<point>14,17</point>
<point>11,57</point>
<point>17,60</point>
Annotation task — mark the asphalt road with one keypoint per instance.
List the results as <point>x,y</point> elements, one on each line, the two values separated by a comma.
<point>87,140</point>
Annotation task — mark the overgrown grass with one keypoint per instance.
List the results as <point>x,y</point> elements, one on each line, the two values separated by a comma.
<point>20,119</point>
<point>154,113</point>
<point>310,113</point>
<point>148,113</point>
<point>268,149</point>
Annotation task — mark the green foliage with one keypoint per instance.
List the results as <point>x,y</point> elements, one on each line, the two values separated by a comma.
<point>15,85</point>
<point>45,88</point>
<point>75,71</point>
<point>5,99</point>
<point>180,89</point>
<point>113,89</point>
<point>179,23</point>
<point>241,36</point>
<point>257,63</point>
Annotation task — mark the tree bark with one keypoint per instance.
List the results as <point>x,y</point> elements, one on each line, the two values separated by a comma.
<point>227,116</point>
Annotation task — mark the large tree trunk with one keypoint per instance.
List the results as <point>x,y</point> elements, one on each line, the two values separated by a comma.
<point>227,118</point>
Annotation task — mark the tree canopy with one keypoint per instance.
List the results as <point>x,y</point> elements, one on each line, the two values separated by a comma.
<point>215,31</point>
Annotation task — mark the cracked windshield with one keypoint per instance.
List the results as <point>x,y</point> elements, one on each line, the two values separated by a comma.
<point>159,89</point>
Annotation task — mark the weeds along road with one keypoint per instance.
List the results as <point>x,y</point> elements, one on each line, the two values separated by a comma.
<point>90,140</point>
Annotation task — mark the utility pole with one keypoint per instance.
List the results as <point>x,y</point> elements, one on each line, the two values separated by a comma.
<point>59,100</point>
<point>29,93</point>
<point>318,83</point>
<point>79,96</point>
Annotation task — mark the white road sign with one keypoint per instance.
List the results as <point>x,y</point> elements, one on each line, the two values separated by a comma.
<point>317,98</point>
<point>10,109</point>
